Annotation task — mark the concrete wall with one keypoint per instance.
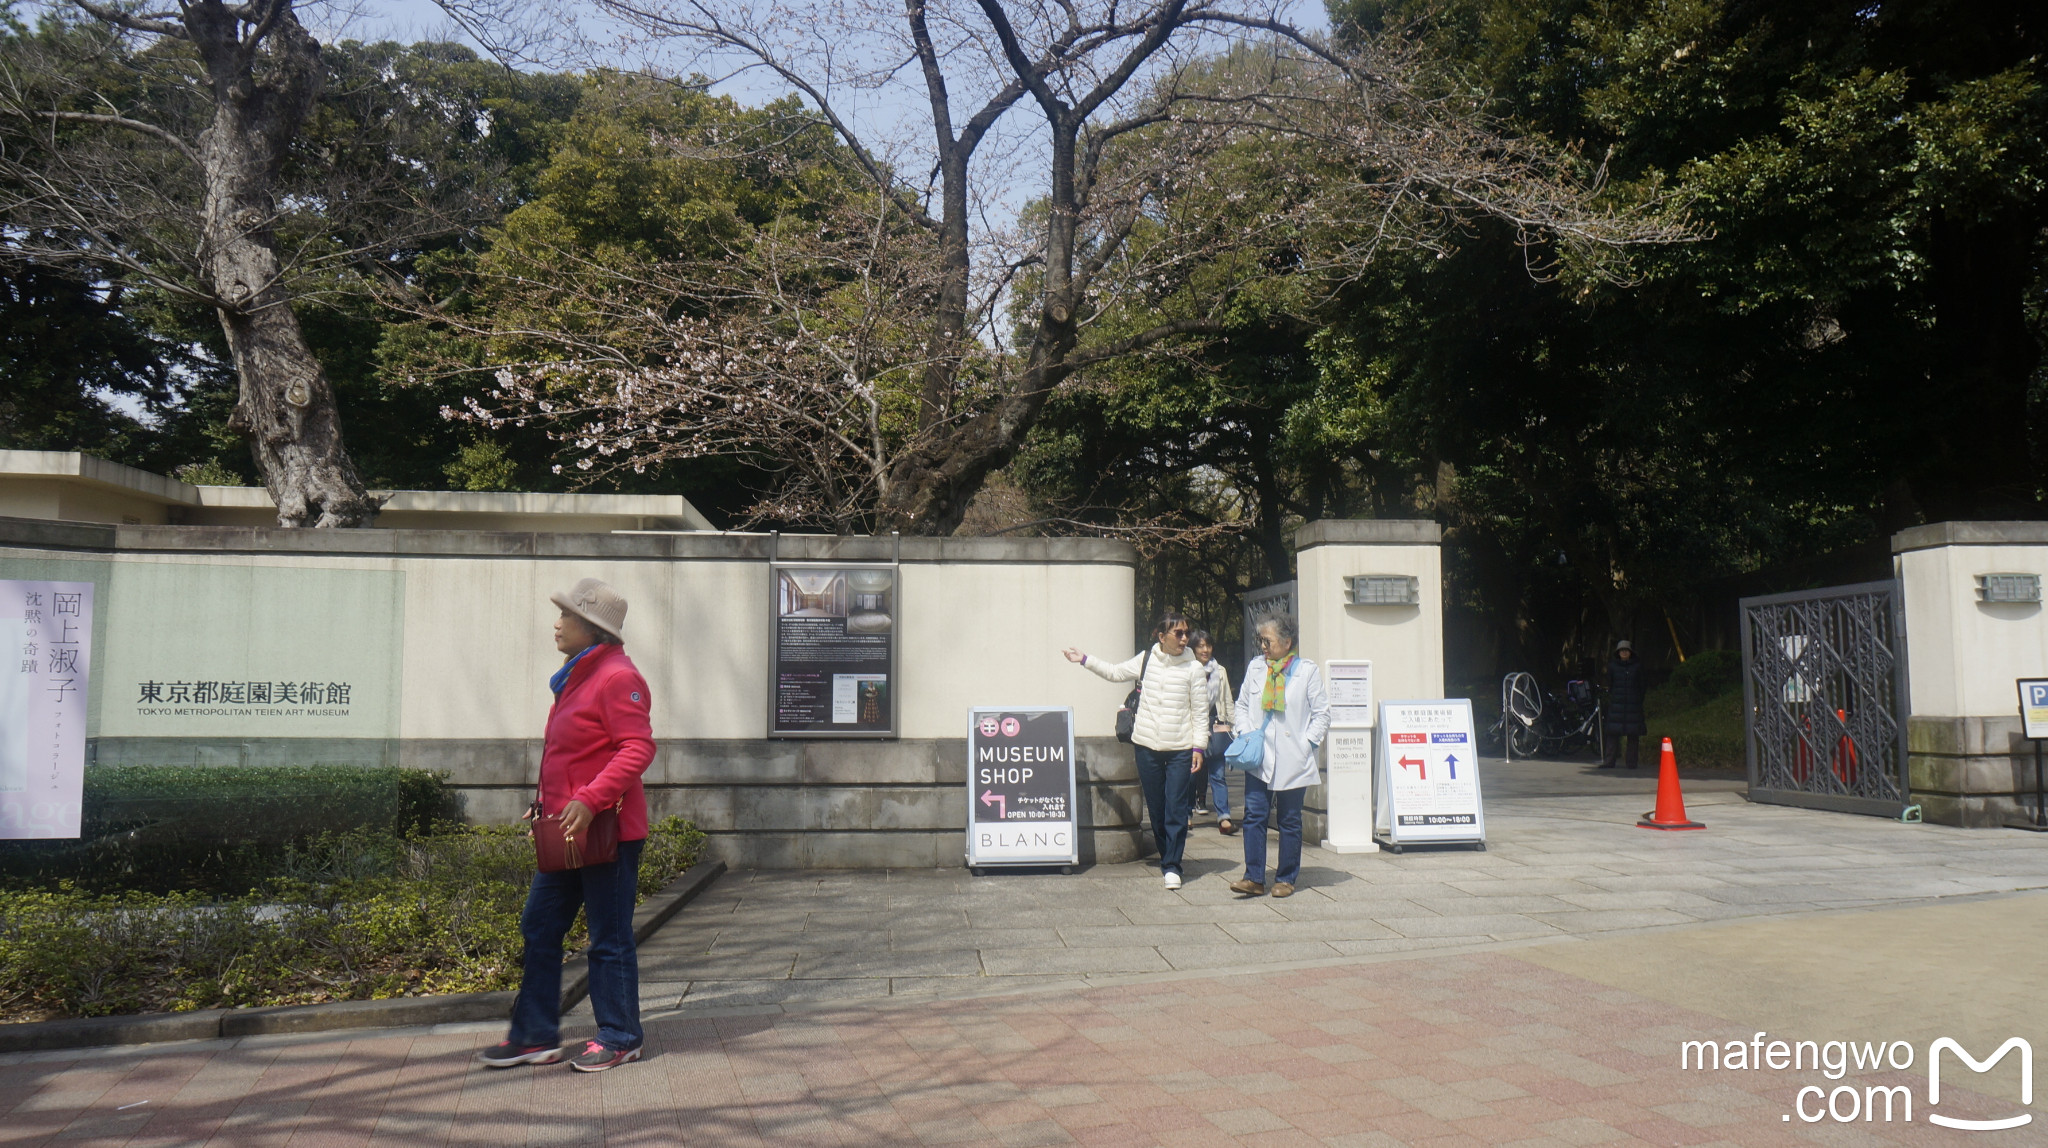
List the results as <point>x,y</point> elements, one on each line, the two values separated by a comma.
<point>1405,643</point>
<point>440,641</point>
<point>1967,761</point>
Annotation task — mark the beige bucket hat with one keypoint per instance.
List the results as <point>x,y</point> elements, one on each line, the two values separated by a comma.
<point>595,602</point>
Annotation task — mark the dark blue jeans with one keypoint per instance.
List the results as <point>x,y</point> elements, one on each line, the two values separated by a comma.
<point>605,894</point>
<point>1284,807</point>
<point>1169,795</point>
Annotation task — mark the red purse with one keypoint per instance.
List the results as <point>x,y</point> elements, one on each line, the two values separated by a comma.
<point>555,851</point>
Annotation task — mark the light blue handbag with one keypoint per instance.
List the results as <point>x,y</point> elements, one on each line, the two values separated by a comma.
<point>1248,751</point>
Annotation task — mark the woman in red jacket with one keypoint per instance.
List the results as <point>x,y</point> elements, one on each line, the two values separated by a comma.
<point>598,744</point>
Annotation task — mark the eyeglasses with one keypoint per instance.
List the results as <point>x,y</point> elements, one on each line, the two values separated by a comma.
<point>1264,641</point>
<point>1182,632</point>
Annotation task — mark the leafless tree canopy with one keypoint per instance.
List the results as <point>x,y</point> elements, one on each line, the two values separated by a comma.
<point>1087,181</point>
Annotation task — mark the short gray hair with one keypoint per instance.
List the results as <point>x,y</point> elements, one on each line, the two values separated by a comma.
<point>1283,625</point>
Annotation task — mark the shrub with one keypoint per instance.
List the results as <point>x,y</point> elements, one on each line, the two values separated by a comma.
<point>1707,675</point>
<point>221,829</point>
<point>353,915</point>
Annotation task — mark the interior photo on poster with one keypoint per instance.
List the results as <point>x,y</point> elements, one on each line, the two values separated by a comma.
<point>835,631</point>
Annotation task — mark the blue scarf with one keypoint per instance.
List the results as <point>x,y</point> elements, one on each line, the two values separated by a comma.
<point>561,676</point>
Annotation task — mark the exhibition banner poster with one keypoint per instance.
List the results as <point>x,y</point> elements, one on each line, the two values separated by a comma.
<point>1020,787</point>
<point>834,654</point>
<point>1429,774</point>
<point>43,690</point>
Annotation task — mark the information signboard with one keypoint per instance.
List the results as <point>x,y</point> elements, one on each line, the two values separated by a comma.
<point>1020,787</point>
<point>44,686</point>
<point>2034,707</point>
<point>1350,684</point>
<point>832,664</point>
<point>1429,774</point>
<point>1347,754</point>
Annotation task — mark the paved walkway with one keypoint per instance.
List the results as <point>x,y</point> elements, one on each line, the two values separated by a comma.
<point>1447,1050</point>
<point>1556,867</point>
<point>1535,994</point>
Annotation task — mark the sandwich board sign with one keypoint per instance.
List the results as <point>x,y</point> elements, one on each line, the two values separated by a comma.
<point>1020,787</point>
<point>2034,707</point>
<point>1428,775</point>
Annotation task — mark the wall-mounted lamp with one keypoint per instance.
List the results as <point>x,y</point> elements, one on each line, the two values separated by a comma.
<point>2008,587</point>
<point>1382,590</point>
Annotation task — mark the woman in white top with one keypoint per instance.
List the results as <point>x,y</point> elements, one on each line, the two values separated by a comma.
<point>1282,695</point>
<point>1170,730</point>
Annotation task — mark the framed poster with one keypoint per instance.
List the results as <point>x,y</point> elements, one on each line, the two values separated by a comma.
<point>44,686</point>
<point>1429,774</point>
<point>1020,787</point>
<point>832,657</point>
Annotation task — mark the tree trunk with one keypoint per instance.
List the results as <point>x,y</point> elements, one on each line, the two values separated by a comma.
<point>285,405</point>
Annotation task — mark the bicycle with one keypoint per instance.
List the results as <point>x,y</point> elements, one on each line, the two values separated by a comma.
<point>1535,722</point>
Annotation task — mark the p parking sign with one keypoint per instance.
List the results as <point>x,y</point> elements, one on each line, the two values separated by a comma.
<point>2034,706</point>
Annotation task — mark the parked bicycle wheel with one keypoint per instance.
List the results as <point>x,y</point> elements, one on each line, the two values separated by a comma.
<point>1526,740</point>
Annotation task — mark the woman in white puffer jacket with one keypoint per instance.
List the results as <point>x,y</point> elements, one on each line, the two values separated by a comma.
<point>1170,730</point>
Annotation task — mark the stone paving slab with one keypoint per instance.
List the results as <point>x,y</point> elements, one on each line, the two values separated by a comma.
<point>1555,867</point>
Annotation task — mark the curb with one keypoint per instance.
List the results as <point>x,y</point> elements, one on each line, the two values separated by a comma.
<point>210,1024</point>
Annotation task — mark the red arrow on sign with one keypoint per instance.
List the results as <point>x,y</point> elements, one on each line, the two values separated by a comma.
<point>1420,766</point>
<point>991,797</point>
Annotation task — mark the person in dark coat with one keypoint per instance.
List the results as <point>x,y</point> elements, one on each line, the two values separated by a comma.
<point>1624,714</point>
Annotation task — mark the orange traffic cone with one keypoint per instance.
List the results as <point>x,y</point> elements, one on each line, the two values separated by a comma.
<point>1670,812</point>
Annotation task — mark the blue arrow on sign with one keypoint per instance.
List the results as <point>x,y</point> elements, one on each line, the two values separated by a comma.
<point>1451,760</point>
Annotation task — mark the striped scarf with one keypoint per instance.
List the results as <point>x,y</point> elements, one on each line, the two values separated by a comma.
<point>1273,699</point>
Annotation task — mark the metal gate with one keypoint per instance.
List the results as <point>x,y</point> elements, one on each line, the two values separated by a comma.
<point>1823,689</point>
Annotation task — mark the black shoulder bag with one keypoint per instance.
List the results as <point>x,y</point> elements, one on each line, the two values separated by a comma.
<point>1127,717</point>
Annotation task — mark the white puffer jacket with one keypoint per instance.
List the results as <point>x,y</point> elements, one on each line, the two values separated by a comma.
<point>1173,710</point>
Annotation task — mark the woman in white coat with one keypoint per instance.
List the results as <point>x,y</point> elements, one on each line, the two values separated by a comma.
<point>1283,695</point>
<point>1170,730</point>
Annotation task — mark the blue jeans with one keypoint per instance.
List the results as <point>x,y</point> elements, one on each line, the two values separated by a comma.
<point>1219,774</point>
<point>1169,794</point>
<point>605,893</point>
<point>1284,805</point>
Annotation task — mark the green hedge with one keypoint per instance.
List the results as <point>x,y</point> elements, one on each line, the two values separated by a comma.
<point>1700,710</point>
<point>351,916</point>
<point>219,829</point>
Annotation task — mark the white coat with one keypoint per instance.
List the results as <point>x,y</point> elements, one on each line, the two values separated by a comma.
<point>1173,710</point>
<point>1293,735</point>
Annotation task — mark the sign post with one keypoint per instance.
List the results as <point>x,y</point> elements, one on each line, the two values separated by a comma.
<point>1348,787</point>
<point>44,686</point>
<point>1429,775</point>
<point>832,661</point>
<point>1020,787</point>
<point>2034,720</point>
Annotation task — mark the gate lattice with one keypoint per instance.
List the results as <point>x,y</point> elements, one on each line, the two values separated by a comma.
<point>1823,679</point>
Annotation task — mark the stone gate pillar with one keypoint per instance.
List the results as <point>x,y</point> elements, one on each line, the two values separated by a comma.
<point>1404,640</point>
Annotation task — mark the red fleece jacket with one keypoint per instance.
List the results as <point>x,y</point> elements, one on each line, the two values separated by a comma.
<point>599,741</point>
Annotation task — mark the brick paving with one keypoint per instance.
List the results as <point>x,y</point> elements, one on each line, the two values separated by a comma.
<point>1462,1049</point>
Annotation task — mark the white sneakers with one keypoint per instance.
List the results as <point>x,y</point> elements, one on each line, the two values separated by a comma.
<point>1173,880</point>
